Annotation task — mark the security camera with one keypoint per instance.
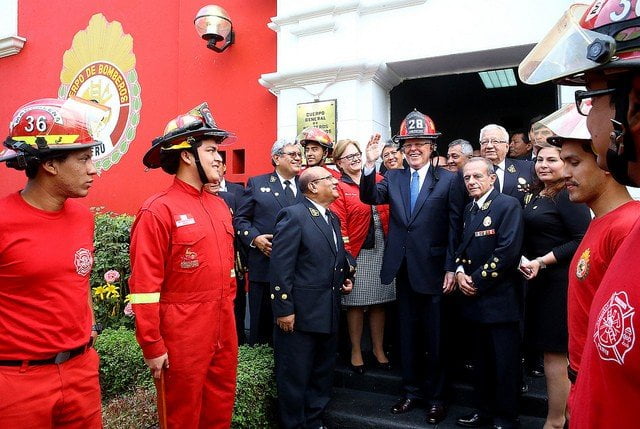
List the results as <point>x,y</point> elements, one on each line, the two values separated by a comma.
<point>214,25</point>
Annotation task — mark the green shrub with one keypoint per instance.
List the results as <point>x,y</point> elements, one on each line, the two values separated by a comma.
<point>256,389</point>
<point>136,410</point>
<point>111,241</point>
<point>122,367</point>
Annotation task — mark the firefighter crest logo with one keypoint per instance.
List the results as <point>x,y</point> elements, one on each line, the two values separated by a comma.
<point>83,260</point>
<point>100,66</point>
<point>614,335</point>
<point>582,270</point>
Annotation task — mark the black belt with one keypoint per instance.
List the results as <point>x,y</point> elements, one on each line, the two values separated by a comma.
<point>61,357</point>
<point>573,374</point>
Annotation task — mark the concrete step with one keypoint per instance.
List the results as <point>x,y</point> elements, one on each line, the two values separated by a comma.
<point>376,381</point>
<point>358,409</point>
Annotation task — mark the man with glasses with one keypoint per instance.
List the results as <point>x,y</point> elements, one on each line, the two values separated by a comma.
<point>255,221</point>
<point>426,204</point>
<point>513,177</point>
<point>605,55</point>
<point>309,270</point>
<point>458,153</point>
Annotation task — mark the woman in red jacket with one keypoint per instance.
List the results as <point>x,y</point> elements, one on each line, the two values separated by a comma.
<point>363,230</point>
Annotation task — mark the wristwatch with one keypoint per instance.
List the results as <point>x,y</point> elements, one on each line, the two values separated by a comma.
<point>541,262</point>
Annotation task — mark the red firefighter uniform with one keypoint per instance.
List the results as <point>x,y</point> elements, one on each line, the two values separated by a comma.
<point>182,294</point>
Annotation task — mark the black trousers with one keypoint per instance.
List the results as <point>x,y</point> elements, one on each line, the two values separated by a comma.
<point>497,369</point>
<point>304,374</point>
<point>260,313</point>
<point>420,325</point>
<point>240,308</point>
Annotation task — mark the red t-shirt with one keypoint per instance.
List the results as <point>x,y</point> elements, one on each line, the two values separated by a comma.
<point>45,263</point>
<point>607,393</point>
<point>589,263</point>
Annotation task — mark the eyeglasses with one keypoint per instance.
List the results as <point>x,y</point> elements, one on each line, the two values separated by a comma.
<point>293,155</point>
<point>492,141</point>
<point>353,157</point>
<point>329,177</point>
<point>390,154</point>
<point>408,146</point>
<point>581,95</point>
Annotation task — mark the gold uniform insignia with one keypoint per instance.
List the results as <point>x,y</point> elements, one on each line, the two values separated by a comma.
<point>486,205</point>
<point>582,270</point>
<point>511,169</point>
<point>314,212</point>
<point>272,179</point>
<point>487,221</point>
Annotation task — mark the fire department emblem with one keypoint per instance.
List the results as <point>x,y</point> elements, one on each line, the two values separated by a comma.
<point>83,260</point>
<point>614,335</point>
<point>582,270</point>
<point>100,66</point>
<point>189,259</point>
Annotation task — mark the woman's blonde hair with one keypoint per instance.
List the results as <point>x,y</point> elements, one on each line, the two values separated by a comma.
<point>341,147</point>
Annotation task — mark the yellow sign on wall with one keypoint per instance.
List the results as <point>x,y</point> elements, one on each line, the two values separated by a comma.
<point>320,114</point>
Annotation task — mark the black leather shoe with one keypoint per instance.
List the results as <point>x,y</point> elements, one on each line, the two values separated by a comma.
<point>436,414</point>
<point>358,369</point>
<point>386,366</point>
<point>473,420</point>
<point>404,405</point>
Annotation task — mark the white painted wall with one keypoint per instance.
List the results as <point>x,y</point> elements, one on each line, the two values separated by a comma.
<point>357,50</point>
<point>10,42</point>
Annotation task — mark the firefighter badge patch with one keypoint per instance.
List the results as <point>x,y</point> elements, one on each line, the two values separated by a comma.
<point>582,270</point>
<point>614,335</point>
<point>83,260</point>
<point>189,259</point>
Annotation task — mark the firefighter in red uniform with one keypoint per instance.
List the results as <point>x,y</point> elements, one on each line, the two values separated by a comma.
<point>598,46</point>
<point>317,147</point>
<point>182,279</point>
<point>48,368</point>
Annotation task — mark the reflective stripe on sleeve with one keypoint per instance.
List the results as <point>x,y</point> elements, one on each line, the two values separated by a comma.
<point>233,273</point>
<point>144,298</point>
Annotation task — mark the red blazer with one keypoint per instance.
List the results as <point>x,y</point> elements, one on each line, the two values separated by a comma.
<point>355,215</point>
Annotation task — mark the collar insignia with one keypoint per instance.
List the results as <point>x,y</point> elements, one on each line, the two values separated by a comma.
<point>511,169</point>
<point>272,179</point>
<point>486,205</point>
<point>314,212</point>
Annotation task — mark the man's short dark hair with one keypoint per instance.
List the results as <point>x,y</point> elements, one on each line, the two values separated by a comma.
<point>525,134</point>
<point>33,165</point>
<point>170,159</point>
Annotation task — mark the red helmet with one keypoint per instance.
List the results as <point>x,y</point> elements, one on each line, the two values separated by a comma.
<point>416,125</point>
<point>49,125</point>
<point>605,35</point>
<point>184,130</point>
<point>315,135</point>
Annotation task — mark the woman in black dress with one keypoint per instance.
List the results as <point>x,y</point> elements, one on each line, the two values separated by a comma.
<point>554,227</point>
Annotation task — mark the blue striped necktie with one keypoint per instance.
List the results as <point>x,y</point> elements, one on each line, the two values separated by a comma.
<point>415,189</point>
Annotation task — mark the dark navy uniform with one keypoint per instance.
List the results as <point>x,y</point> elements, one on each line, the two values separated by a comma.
<point>518,177</point>
<point>489,253</point>
<point>308,268</point>
<point>263,198</point>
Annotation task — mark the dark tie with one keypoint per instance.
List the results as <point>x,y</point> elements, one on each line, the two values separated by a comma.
<point>414,188</point>
<point>333,233</point>
<point>288,192</point>
<point>474,210</point>
<point>496,184</point>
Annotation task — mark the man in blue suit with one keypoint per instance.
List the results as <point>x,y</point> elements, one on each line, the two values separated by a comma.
<point>513,176</point>
<point>426,205</point>
<point>309,270</point>
<point>488,256</point>
<point>255,221</point>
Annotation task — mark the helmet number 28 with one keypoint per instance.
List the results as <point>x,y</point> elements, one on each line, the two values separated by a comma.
<point>39,124</point>
<point>415,124</point>
<point>626,8</point>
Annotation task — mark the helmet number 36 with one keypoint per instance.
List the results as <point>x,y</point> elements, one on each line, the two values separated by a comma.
<point>626,8</point>
<point>39,124</point>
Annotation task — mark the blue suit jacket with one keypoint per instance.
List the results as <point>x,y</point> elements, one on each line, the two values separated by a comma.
<point>256,214</point>
<point>426,238</point>
<point>308,268</point>
<point>489,253</point>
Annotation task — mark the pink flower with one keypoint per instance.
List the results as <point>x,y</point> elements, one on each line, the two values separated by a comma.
<point>111,276</point>
<point>128,310</point>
